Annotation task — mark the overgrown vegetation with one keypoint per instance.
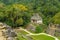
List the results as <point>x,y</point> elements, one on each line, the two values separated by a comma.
<point>22,36</point>
<point>42,37</point>
<point>18,12</point>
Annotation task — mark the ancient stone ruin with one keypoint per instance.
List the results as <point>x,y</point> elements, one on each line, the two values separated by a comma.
<point>7,32</point>
<point>31,27</point>
<point>53,29</point>
<point>36,19</point>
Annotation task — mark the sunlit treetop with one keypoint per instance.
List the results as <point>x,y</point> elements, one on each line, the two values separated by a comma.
<point>21,7</point>
<point>56,18</point>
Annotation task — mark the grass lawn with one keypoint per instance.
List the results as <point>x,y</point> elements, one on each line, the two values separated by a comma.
<point>33,37</point>
<point>59,38</point>
<point>42,37</point>
<point>23,32</point>
<point>20,35</point>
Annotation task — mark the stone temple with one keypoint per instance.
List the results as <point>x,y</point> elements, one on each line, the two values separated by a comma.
<point>36,18</point>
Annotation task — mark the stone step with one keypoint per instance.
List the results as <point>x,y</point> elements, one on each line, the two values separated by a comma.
<point>0,34</point>
<point>2,38</point>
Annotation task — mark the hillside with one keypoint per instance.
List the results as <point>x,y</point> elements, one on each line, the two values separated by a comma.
<point>34,16</point>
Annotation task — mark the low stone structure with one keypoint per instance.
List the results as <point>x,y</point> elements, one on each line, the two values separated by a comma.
<point>53,29</point>
<point>7,32</point>
<point>36,19</point>
<point>31,27</point>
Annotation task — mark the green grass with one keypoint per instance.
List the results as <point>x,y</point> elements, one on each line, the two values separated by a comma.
<point>42,37</point>
<point>59,38</point>
<point>34,37</point>
<point>20,37</point>
<point>23,32</point>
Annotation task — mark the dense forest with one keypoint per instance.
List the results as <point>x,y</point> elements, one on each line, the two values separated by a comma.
<point>16,19</point>
<point>19,12</point>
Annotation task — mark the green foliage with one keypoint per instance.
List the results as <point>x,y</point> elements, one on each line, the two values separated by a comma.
<point>20,37</point>
<point>19,21</point>
<point>13,10</point>
<point>56,18</point>
<point>2,5</point>
<point>15,15</point>
<point>38,29</point>
<point>42,37</point>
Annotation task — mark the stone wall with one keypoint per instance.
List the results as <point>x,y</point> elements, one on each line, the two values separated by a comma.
<point>53,29</point>
<point>7,31</point>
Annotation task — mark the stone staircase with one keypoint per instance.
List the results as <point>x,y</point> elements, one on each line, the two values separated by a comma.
<point>6,32</point>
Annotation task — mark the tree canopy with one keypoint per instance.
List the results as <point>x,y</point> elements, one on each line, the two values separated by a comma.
<point>19,12</point>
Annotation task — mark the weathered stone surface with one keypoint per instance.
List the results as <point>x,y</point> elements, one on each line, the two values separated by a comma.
<point>53,29</point>
<point>1,24</point>
<point>2,37</point>
<point>31,27</point>
<point>10,33</point>
<point>36,18</point>
<point>6,32</point>
<point>10,38</point>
